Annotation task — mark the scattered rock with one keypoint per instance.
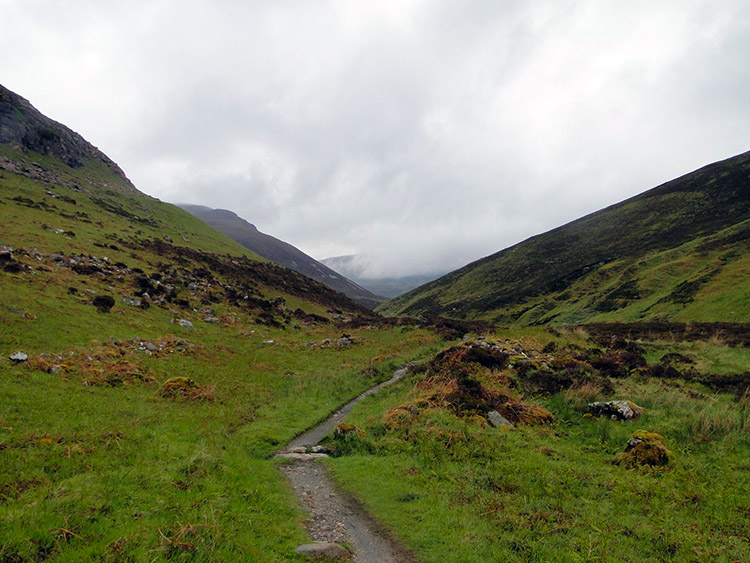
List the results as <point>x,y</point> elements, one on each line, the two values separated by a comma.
<point>323,549</point>
<point>210,319</point>
<point>498,421</point>
<point>131,301</point>
<point>344,341</point>
<point>300,456</point>
<point>104,303</point>
<point>184,323</point>
<point>644,449</point>
<point>18,357</point>
<point>616,410</point>
<point>12,267</point>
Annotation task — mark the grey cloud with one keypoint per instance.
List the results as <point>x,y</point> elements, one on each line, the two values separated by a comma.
<point>423,134</point>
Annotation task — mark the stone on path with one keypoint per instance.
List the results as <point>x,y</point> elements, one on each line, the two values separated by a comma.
<point>324,549</point>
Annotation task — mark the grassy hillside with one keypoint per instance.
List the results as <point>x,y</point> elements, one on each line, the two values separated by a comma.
<point>165,365</point>
<point>150,367</point>
<point>430,465</point>
<point>676,252</point>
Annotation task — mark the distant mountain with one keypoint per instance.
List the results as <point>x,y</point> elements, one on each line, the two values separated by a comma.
<point>352,267</point>
<point>680,251</point>
<point>280,252</point>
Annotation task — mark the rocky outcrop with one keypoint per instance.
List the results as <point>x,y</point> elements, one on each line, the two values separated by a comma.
<point>23,126</point>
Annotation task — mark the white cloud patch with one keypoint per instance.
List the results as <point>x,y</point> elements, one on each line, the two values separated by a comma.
<point>423,134</point>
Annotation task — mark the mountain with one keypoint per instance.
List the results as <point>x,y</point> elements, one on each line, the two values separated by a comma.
<point>353,268</point>
<point>679,252</point>
<point>65,204</point>
<point>150,366</point>
<point>24,128</point>
<point>280,252</point>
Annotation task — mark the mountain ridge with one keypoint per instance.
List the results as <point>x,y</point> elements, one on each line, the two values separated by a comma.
<point>280,252</point>
<point>534,273</point>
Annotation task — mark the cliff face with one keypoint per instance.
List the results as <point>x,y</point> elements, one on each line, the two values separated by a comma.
<point>23,127</point>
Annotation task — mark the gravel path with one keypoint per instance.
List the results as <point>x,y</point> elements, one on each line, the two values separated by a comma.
<point>335,517</point>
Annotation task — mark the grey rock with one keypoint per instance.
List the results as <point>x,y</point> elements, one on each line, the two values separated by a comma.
<point>18,357</point>
<point>210,319</point>
<point>185,323</point>
<point>616,410</point>
<point>497,420</point>
<point>324,549</point>
<point>131,301</point>
<point>300,457</point>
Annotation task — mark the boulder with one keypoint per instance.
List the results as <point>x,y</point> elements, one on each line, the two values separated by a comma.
<point>498,421</point>
<point>323,549</point>
<point>644,449</point>
<point>104,302</point>
<point>616,410</point>
<point>18,357</point>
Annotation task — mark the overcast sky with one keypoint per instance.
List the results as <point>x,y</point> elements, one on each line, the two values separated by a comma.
<point>423,134</point>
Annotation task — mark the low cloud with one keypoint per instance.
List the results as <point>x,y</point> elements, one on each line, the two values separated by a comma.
<point>422,134</point>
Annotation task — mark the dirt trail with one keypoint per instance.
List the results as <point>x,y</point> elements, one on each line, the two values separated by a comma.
<point>334,516</point>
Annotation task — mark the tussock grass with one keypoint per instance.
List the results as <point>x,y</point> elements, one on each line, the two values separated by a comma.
<point>454,489</point>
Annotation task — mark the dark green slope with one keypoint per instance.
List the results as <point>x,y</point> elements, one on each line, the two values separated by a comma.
<point>678,251</point>
<point>280,252</point>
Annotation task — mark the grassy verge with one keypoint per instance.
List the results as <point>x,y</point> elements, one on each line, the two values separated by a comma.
<point>454,489</point>
<point>113,469</point>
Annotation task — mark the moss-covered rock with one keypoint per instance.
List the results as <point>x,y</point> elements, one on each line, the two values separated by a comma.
<point>644,449</point>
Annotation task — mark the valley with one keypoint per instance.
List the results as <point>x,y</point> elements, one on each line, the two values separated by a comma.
<point>560,400</point>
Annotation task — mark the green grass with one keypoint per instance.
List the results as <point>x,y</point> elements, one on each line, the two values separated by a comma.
<point>455,491</point>
<point>121,467</point>
<point>95,463</point>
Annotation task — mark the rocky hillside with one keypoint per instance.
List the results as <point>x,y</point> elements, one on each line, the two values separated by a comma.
<point>280,252</point>
<point>25,129</point>
<point>679,251</point>
<point>74,223</point>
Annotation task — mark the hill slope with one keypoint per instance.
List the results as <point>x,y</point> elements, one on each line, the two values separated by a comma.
<point>150,366</point>
<point>676,252</point>
<point>280,252</point>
